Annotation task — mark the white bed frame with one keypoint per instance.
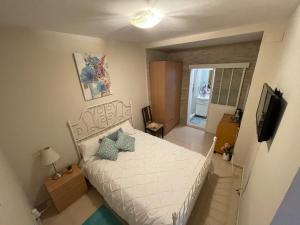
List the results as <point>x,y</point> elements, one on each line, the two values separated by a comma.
<point>97,119</point>
<point>181,217</point>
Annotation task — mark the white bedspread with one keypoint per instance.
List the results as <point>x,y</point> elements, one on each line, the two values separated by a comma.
<point>148,185</point>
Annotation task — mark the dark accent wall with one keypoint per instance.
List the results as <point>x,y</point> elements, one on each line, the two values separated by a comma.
<point>232,53</point>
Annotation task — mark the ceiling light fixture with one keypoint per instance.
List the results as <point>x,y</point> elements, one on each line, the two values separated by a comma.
<point>146,19</point>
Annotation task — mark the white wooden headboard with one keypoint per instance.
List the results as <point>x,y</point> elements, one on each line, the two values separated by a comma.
<point>97,119</point>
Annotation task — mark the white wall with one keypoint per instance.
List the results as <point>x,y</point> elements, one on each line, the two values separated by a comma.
<point>40,91</point>
<point>14,206</point>
<point>215,114</point>
<point>274,163</point>
<point>265,72</point>
<point>208,36</point>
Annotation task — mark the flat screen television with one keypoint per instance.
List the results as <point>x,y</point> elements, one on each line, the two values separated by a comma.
<point>267,113</point>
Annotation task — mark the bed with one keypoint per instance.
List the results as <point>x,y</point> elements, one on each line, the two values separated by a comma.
<point>156,184</point>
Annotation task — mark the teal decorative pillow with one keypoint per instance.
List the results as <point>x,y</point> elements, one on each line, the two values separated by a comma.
<point>108,149</point>
<point>113,136</point>
<point>125,142</point>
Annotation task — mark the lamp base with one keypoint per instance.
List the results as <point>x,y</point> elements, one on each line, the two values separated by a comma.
<point>56,176</point>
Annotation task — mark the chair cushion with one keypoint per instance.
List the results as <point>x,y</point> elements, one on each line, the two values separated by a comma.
<point>108,149</point>
<point>125,142</point>
<point>154,126</point>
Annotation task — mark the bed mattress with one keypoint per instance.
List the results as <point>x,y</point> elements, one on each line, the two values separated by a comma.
<point>148,185</point>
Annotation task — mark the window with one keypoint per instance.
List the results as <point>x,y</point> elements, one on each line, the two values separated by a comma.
<point>227,86</point>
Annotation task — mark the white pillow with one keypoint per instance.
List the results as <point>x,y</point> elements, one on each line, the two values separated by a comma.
<point>90,147</point>
<point>127,128</point>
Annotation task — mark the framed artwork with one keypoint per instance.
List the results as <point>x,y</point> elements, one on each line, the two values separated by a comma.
<point>93,72</point>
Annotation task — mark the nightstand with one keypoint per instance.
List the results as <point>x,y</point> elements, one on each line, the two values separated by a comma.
<point>67,189</point>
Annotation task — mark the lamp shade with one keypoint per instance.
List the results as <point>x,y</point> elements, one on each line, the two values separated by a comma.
<point>49,156</point>
<point>146,19</point>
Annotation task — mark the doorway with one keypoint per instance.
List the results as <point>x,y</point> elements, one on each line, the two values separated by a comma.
<point>200,90</point>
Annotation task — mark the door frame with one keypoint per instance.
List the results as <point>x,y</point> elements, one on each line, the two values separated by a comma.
<point>189,98</point>
<point>190,92</point>
<point>244,65</point>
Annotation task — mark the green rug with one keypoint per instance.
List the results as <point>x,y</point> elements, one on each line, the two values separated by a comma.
<point>102,216</point>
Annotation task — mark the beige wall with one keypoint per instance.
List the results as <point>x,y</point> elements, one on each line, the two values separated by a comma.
<point>40,91</point>
<point>274,163</point>
<point>265,72</point>
<point>215,114</point>
<point>14,206</point>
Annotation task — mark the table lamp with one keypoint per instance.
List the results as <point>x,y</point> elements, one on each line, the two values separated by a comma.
<point>49,157</point>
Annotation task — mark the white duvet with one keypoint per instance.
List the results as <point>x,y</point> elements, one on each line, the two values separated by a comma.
<point>148,185</point>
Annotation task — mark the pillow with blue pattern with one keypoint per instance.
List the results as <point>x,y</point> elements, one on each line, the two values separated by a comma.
<point>125,142</point>
<point>108,149</point>
<point>113,136</point>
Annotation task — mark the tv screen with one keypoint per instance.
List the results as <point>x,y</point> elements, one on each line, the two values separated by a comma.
<point>267,113</point>
<point>263,105</point>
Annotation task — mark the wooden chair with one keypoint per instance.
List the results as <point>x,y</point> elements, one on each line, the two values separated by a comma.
<point>151,127</point>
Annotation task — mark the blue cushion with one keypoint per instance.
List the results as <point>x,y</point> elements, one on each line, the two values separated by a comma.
<point>108,149</point>
<point>125,142</point>
<point>114,136</point>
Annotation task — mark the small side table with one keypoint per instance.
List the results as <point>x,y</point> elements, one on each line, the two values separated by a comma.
<point>67,189</point>
<point>227,132</point>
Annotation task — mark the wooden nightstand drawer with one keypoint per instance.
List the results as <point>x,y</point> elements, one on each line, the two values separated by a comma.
<point>65,198</point>
<point>66,189</point>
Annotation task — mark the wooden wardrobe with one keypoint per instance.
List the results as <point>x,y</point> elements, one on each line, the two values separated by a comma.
<point>165,86</point>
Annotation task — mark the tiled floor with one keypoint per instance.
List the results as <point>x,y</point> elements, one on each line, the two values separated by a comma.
<point>198,121</point>
<point>76,213</point>
<point>217,202</point>
<point>191,138</point>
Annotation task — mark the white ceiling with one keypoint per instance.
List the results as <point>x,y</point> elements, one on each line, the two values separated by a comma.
<point>256,36</point>
<point>109,18</point>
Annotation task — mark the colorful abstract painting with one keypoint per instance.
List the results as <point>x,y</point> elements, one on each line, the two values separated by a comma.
<point>93,74</point>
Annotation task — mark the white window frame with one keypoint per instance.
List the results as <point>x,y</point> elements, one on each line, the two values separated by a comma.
<point>224,66</point>
<point>221,65</point>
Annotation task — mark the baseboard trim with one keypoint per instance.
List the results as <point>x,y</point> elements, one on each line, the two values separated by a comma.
<point>240,197</point>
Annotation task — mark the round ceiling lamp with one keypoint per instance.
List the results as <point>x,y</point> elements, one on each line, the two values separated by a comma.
<point>146,19</point>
